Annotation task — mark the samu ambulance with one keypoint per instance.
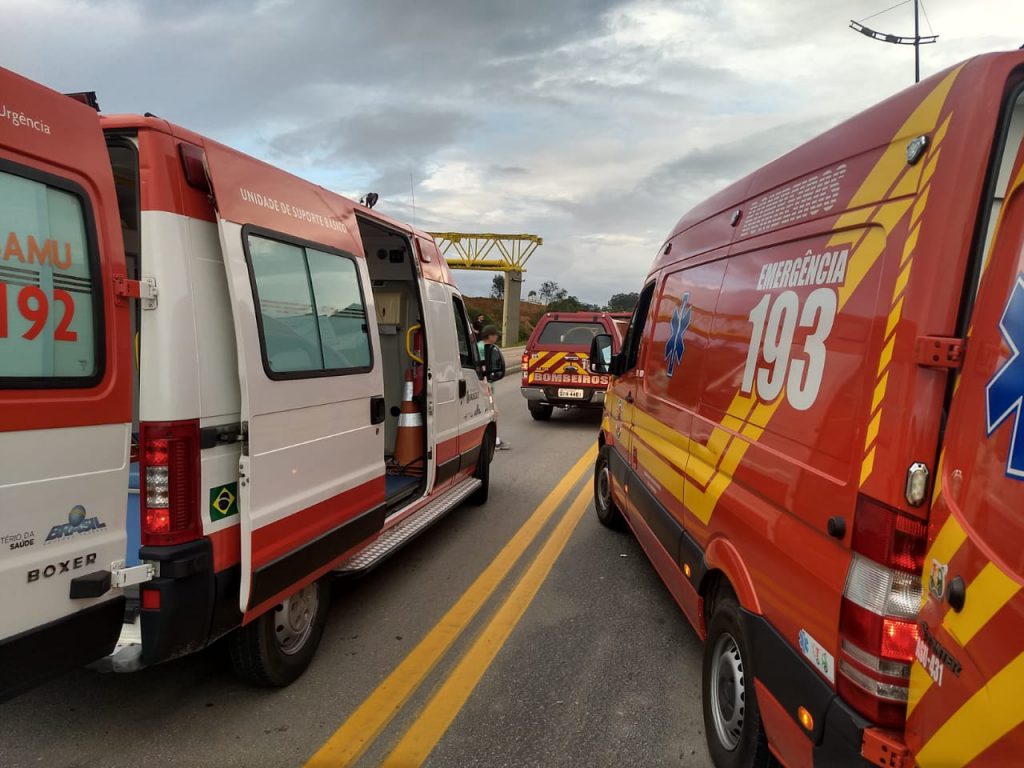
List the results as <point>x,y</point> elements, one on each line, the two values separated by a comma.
<point>293,372</point>
<point>812,431</point>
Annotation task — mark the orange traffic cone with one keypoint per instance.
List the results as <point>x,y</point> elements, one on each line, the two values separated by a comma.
<point>409,440</point>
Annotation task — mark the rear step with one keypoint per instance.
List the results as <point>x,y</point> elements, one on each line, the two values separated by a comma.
<point>392,539</point>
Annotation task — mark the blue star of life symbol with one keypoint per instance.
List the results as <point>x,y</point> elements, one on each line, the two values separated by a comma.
<point>1005,391</point>
<point>674,347</point>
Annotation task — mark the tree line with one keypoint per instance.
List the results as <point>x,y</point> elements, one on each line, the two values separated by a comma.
<point>557,299</point>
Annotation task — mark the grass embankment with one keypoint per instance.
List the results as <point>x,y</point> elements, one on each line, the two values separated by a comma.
<point>491,309</point>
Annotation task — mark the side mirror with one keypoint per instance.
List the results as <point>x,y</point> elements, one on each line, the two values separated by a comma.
<point>494,361</point>
<point>600,354</point>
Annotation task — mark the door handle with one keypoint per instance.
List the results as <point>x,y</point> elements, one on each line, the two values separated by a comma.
<point>463,388</point>
<point>376,410</point>
<point>629,398</point>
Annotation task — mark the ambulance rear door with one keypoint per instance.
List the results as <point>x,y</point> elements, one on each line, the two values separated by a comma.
<point>65,397</point>
<point>311,480</point>
<point>966,682</point>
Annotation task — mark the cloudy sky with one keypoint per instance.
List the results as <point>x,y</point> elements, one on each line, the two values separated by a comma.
<point>593,123</point>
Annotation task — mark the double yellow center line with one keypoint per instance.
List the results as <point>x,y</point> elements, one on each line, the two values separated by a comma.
<point>362,728</point>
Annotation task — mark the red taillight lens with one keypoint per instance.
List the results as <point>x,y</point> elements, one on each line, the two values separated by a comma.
<point>880,603</point>
<point>899,639</point>
<point>888,536</point>
<point>156,452</point>
<point>150,600</point>
<point>169,475</point>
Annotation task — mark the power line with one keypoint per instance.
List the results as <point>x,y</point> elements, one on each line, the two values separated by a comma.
<point>926,19</point>
<point>890,8</point>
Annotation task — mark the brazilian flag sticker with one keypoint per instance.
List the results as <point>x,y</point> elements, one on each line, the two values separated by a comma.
<point>223,501</point>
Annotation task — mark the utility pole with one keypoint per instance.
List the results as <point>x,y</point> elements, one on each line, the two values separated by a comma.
<point>917,45</point>
<point>917,40</point>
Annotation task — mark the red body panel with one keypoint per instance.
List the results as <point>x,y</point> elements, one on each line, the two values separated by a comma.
<point>777,380</point>
<point>59,136</point>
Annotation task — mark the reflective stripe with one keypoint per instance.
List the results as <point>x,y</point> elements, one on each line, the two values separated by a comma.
<point>410,419</point>
<point>988,715</point>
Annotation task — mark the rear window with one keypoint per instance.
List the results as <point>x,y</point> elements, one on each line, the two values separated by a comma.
<point>570,333</point>
<point>48,297</point>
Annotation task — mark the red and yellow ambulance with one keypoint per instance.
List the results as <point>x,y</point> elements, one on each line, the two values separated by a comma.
<point>812,430</point>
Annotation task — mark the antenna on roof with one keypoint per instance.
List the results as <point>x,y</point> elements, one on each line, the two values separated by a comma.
<point>917,40</point>
<point>412,188</point>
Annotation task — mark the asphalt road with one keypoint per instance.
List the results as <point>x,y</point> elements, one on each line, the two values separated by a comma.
<point>578,656</point>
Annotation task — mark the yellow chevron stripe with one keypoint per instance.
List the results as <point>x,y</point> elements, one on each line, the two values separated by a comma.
<point>949,540</point>
<point>989,592</point>
<point>896,308</point>
<point>879,391</point>
<point>989,714</point>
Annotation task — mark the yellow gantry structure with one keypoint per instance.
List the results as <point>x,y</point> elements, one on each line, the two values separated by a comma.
<point>487,252</point>
<point>493,253</point>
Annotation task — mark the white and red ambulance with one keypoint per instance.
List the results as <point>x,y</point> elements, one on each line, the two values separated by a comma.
<point>293,372</point>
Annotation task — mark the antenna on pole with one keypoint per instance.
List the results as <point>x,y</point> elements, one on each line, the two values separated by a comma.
<point>917,40</point>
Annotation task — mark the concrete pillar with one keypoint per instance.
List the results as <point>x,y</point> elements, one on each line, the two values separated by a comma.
<point>510,315</point>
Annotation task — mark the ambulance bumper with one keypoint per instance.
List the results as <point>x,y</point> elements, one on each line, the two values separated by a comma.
<point>186,588</point>
<point>34,656</point>
<point>549,395</point>
<point>838,730</point>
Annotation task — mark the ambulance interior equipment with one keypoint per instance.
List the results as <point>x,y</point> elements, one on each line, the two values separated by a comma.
<point>392,267</point>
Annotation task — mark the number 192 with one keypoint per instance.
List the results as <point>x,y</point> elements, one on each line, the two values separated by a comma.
<point>34,306</point>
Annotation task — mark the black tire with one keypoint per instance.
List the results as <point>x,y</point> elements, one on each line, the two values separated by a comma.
<point>732,720</point>
<point>483,470</point>
<point>260,654</point>
<point>607,511</point>
<point>540,411</point>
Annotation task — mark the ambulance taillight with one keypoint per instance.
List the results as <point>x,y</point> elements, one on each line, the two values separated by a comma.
<point>878,627</point>
<point>169,475</point>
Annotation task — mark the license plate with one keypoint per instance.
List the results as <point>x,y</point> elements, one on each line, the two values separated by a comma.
<point>571,393</point>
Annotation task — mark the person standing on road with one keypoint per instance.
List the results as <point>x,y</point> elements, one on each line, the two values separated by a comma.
<point>488,335</point>
<point>478,325</point>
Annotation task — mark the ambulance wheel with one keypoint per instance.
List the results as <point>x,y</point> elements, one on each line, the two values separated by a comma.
<point>273,650</point>
<point>540,411</point>
<point>607,511</point>
<point>732,720</point>
<point>483,469</point>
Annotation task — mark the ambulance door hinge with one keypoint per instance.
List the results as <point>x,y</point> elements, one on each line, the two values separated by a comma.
<point>939,352</point>
<point>121,577</point>
<point>144,290</point>
<point>884,748</point>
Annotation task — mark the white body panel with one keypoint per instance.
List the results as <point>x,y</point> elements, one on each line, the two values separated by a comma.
<point>47,476</point>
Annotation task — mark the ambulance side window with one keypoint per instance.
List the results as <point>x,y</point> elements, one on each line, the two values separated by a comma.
<point>312,315</point>
<point>631,345</point>
<point>466,353</point>
<point>49,292</point>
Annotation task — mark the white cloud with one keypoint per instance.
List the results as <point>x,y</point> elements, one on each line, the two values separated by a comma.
<point>593,123</point>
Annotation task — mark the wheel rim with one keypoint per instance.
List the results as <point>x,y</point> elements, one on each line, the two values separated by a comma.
<point>604,488</point>
<point>293,619</point>
<point>727,691</point>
